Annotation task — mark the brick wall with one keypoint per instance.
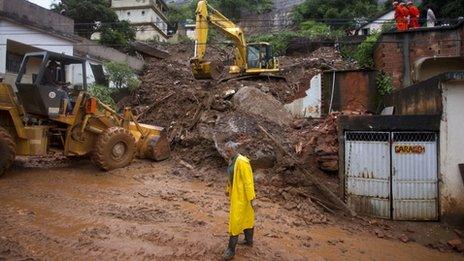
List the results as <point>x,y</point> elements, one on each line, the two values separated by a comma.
<point>397,52</point>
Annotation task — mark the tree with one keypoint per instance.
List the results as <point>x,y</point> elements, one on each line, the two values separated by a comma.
<point>91,16</point>
<point>233,8</point>
<point>336,13</point>
<point>121,75</point>
<point>118,34</point>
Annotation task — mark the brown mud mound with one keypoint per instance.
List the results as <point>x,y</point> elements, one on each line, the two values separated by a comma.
<point>189,109</point>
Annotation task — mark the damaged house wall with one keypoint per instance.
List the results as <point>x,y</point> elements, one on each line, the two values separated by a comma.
<point>397,52</point>
<point>354,90</point>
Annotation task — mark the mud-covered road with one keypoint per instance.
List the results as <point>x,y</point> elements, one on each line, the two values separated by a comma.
<point>68,210</point>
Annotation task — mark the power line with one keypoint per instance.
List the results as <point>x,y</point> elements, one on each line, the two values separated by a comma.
<point>229,43</point>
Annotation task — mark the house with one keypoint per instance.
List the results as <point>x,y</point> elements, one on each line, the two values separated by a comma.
<point>26,27</point>
<point>149,17</point>
<point>376,24</point>
<point>407,164</point>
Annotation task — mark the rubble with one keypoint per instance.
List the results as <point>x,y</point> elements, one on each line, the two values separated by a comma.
<point>321,141</point>
<point>201,116</point>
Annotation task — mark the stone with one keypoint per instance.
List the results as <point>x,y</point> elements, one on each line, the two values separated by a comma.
<point>254,101</point>
<point>454,243</point>
<point>379,233</point>
<point>403,238</point>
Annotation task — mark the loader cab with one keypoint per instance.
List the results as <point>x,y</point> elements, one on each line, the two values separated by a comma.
<point>259,56</point>
<point>43,87</point>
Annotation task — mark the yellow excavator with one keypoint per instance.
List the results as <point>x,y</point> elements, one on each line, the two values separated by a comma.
<point>250,58</point>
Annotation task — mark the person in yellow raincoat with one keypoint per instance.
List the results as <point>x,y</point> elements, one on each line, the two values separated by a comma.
<point>241,192</point>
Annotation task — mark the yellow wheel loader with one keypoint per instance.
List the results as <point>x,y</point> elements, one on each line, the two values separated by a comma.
<point>47,112</point>
<point>251,59</point>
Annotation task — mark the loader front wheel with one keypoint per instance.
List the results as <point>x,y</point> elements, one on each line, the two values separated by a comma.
<point>7,151</point>
<point>115,149</point>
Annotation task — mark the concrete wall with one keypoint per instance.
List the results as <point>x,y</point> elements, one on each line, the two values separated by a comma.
<point>397,52</point>
<point>310,105</point>
<point>451,146</point>
<point>32,14</point>
<point>353,90</point>
<point>98,52</point>
<point>421,99</point>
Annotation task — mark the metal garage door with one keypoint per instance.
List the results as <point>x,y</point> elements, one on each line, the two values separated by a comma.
<point>414,176</point>
<point>367,166</point>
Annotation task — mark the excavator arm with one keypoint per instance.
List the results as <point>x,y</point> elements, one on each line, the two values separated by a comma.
<point>205,14</point>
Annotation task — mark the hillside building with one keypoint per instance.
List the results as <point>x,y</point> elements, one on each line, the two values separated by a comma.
<point>149,17</point>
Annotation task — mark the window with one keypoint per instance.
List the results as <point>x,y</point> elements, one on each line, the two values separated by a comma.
<point>143,12</point>
<point>128,13</point>
<point>365,31</point>
<point>13,62</point>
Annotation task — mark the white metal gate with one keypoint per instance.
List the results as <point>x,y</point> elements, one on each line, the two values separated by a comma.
<point>414,176</point>
<point>367,166</point>
<point>392,175</point>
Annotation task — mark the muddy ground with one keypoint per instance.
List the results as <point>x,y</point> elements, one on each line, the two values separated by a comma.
<point>62,209</point>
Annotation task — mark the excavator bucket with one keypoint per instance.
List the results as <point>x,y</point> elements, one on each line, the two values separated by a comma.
<point>201,69</point>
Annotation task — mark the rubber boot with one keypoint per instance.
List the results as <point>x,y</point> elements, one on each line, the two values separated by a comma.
<point>248,237</point>
<point>230,251</point>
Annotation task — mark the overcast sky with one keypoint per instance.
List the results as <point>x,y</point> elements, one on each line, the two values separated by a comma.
<point>44,3</point>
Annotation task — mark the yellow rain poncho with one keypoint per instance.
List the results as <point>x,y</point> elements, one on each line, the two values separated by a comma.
<point>241,192</point>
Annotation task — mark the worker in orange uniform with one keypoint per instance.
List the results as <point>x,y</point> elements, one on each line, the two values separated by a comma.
<point>413,15</point>
<point>404,23</point>
<point>398,16</point>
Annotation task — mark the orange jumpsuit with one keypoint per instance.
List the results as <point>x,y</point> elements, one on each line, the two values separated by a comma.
<point>401,24</point>
<point>404,18</point>
<point>414,15</point>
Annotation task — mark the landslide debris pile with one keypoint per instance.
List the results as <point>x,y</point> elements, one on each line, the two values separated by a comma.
<point>201,116</point>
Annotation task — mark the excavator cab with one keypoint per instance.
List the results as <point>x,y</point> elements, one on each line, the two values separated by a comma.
<point>259,56</point>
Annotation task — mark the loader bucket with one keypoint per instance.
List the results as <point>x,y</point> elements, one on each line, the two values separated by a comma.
<point>153,144</point>
<point>158,148</point>
<point>201,69</point>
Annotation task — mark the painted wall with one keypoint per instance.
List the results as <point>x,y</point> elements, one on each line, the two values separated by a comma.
<point>309,106</point>
<point>451,147</point>
<point>147,16</point>
<point>25,35</point>
<point>32,14</point>
<point>376,26</point>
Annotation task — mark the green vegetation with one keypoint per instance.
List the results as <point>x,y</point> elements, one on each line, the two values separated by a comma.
<point>182,13</point>
<point>336,13</point>
<point>308,29</point>
<point>121,76</point>
<point>103,93</point>
<point>384,83</point>
<point>364,52</point>
<point>92,16</point>
<point>118,34</point>
<point>233,8</point>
